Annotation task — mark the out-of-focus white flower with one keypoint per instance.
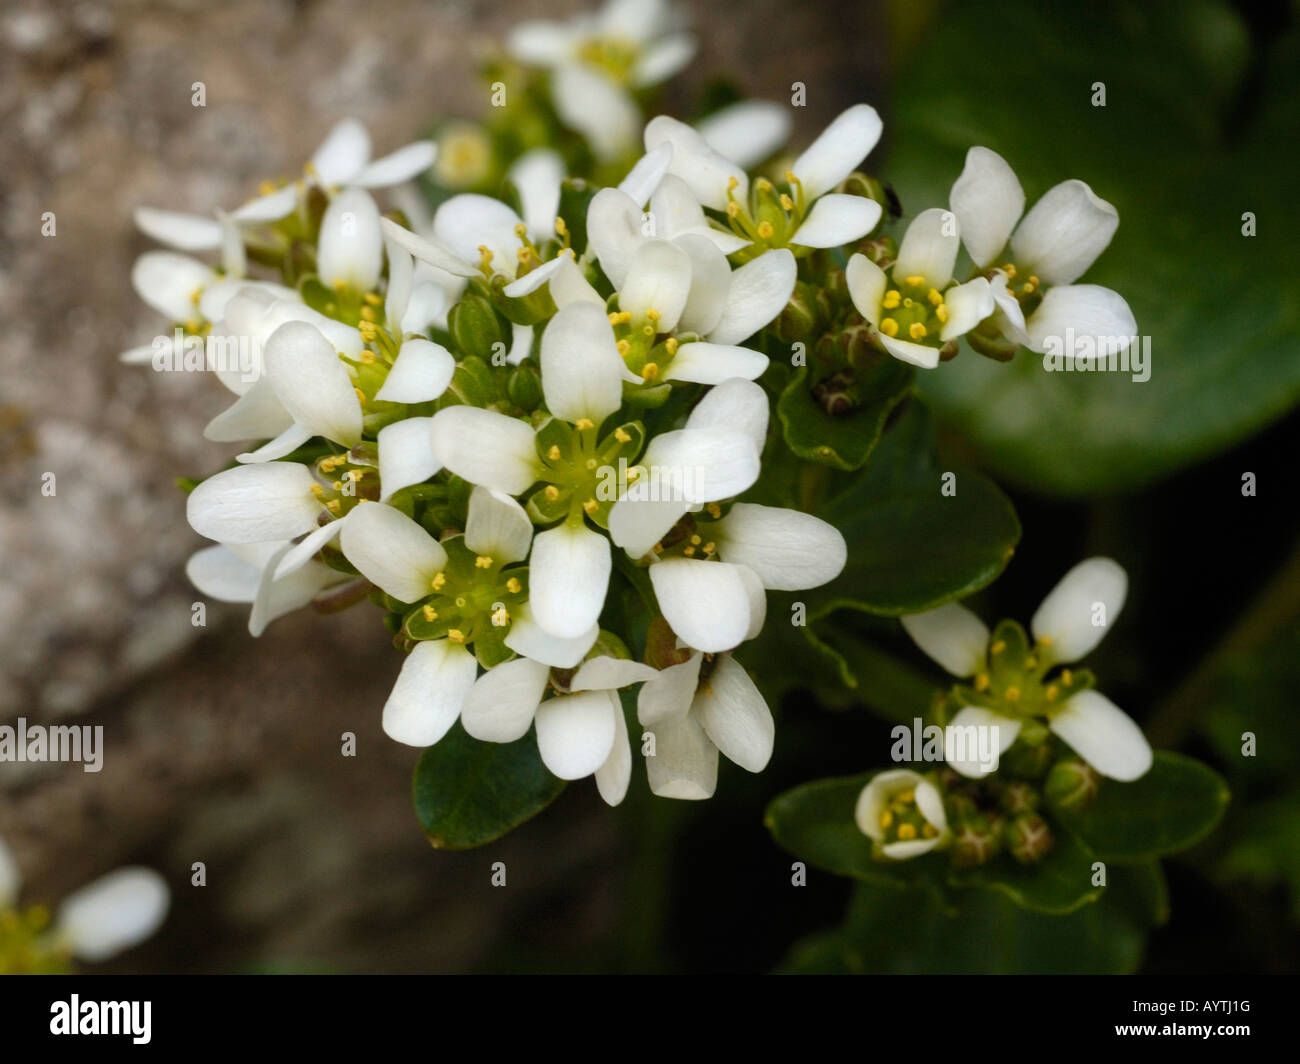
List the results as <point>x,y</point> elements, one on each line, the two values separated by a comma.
<point>902,813</point>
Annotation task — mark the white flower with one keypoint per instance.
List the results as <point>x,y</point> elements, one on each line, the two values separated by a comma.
<point>746,132</point>
<point>595,59</point>
<point>902,813</point>
<point>580,732</point>
<point>103,918</point>
<point>1069,623</point>
<point>1042,256</point>
<point>693,717</point>
<point>914,307</point>
<point>342,160</point>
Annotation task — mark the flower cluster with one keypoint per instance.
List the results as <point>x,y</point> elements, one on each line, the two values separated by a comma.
<point>525,425</point>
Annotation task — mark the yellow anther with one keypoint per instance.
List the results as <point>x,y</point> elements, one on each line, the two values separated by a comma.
<point>484,255</point>
<point>1033,280</point>
<point>367,330</point>
<point>917,331</point>
<point>732,183</point>
<point>337,485</point>
<point>892,298</point>
<point>483,561</point>
<point>317,490</point>
<point>583,424</point>
<point>907,302</point>
<point>697,539</point>
<point>623,347</point>
<point>916,280</point>
<point>906,797</point>
<point>670,345</point>
<point>787,204</point>
<point>1009,269</point>
<point>355,474</point>
<point>649,371</point>
<point>934,296</point>
<point>1067,677</point>
<point>501,617</point>
<point>981,681</point>
<point>560,227</point>
<point>340,286</point>
<point>906,832</point>
<point>373,298</point>
<point>653,315</point>
<point>367,357</point>
<point>765,229</point>
<point>514,586</point>
<point>522,254</point>
<point>1012,694</point>
<point>309,168</point>
<point>886,818</point>
<point>551,492</point>
<point>553,453</point>
<point>193,325</point>
<point>889,327</point>
<point>633,475</point>
<point>710,547</point>
<point>455,635</point>
<point>689,551</point>
<point>622,435</point>
<point>658,548</point>
<point>368,314</point>
<point>929,831</point>
<point>1031,662</point>
<point>763,185</point>
<point>265,188</point>
<point>333,506</point>
<point>1027,287</point>
<point>790,178</point>
<point>430,614</point>
<point>997,647</point>
<point>613,317</point>
<point>1052,692</point>
<point>715,511</point>
<point>591,506</point>
<point>196,295</point>
<point>439,579</point>
<point>1045,640</point>
<point>361,396</point>
<point>941,312</point>
<point>733,209</point>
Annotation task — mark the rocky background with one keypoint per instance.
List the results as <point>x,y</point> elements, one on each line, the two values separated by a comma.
<point>219,748</point>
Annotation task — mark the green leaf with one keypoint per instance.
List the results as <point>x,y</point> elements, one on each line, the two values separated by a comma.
<point>1060,883</point>
<point>1225,344</point>
<point>468,793</point>
<point>844,442</point>
<point>912,547</point>
<point>1176,804</point>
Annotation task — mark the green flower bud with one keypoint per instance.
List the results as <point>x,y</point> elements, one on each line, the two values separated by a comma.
<point>1028,838</point>
<point>976,839</point>
<point>882,250</point>
<point>524,387</point>
<point>860,184</point>
<point>837,394</point>
<point>1071,784</point>
<point>800,316</point>
<point>475,327</point>
<point>988,341</point>
<point>1019,797</point>
<point>1027,761</point>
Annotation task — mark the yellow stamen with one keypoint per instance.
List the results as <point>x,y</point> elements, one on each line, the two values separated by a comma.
<point>583,424</point>
<point>916,280</point>
<point>650,371</point>
<point>765,229</point>
<point>1010,270</point>
<point>787,204</point>
<point>653,315</point>
<point>710,547</point>
<point>554,452</point>
<point>623,347</point>
<point>733,209</point>
<point>689,551</point>
<point>917,331</point>
<point>514,586</point>
<point>697,539</point>
<point>934,296</point>
<point>373,298</point>
<point>333,506</point>
<point>892,298</point>
<point>430,614</point>
<point>886,818</point>
<point>906,832</point>
<point>941,312</point>
<point>889,327</point>
<point>439,578</point>
<point>483,561</point>
<point>715,511</point>
<point>670,345</point>
<point>455,635</point>
<point>981,681</point>
<point>501,617</point>
<point>997,647</point>
<point>1012,694</point>
<point>361,396</point>
<point>591,506</point>
<point>368,314</point>
<point>1067,677</point>
<point>317,490</point>
<point>551,492</point>
<point>622,435</point>
<point>1052,692</point>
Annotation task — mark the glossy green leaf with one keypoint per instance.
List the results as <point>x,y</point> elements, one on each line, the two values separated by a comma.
<point>468,793</point>
<point>844,442</point>
<point>1176,804</point>
<point>912,546</point>
<point>1060,883</point>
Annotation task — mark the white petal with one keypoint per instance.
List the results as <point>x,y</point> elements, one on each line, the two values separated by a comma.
<point>615,774</point>
<point>836,153</point>
<point>735,715</point>
<point>971,738</point>
<point>706,172</point>
<point>789,550</point>
<point>1064,232</point>
<point>255,503</point>
<point>582,371</point>
<point>435,680</point>
<point>759,292</point>
<point>929,248</point>
<point>168,282</point>
<point>644,177</point>
<point>10,879</point>
<point>710,283</point>
<point>915,354</point>
<point>351,246</point>
<point>876,795</point>
<point>312,384</point>
<point>470,221</point>
<point>537,176</point>
<point>401,277</point>
<point>614,232</point>
<point>662,59</point>
<point>599,109</point>
<point>405,455</point>
<point>747,132</point>
<point>575,733</point>
<point>343,153</point>
<point>257,414</point>
<point>568,574</point>
<point>1068,313</point>
<point>738,405</point>
<point>221,574</point>
<point>1008,315</point>
<point>658,278</point>
<point>867,283</point>
<point>836,220</point>
<point>1104,736</point>
<point>670,694</point>
<point>307,548</point>
<point>392,551</point>
<point>428,306</point>
<point>502,702</point>
<point>757,600</point>
<point>704,363</point>
<point>434,252</point>
<point>269,208</point>
<point>952,636</point>
<point>521,342</point>
<point>988,201</point>
<point>608,674</point>
<point>685,761</point>
<point>187,232</point>
<point>968,305</point>
<point>407,162</point>
<point>277,596</point>
<point>530,640</point>
<point>485,447</point>
<point>540,42</point>
<point>497,526</point>
<point>113,913</point>
<point>1081,608</point>
<point>699,465</point>
<point>233,258</point>
<point>285,443</point>
<point>420,373</point>
<point>637,525</point>
<point>705,603</point>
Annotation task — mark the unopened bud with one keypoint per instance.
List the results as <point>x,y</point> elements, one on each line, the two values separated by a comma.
<point>475,326</point>
<point>524,387</point>
<point>1071,784</point>
<point>1028,838</point>
<point>976,839</point>
<point>1019,797</point>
